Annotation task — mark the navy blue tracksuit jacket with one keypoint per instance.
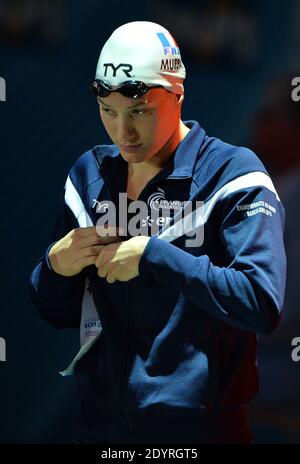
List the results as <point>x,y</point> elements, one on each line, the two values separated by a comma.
<point>176,359</point>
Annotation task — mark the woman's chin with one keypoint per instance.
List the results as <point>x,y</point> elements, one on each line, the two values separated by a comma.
<point>132,157</point>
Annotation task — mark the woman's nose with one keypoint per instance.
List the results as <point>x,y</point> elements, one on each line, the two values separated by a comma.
<point>126,132</point>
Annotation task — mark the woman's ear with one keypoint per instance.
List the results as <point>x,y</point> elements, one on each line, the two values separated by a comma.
<point>180,98</point>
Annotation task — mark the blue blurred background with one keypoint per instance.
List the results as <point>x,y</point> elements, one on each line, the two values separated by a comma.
<point>240,58</point>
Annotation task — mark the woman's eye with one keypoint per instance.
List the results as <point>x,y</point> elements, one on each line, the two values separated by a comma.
<point>139,112</point>
<point>107,111</point>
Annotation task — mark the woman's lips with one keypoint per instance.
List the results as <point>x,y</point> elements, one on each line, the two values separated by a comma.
<point>131,148</point>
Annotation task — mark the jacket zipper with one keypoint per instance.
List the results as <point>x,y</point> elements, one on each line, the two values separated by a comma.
<point>127,342</point>
<point>131,318</point>
<point>125,365</point>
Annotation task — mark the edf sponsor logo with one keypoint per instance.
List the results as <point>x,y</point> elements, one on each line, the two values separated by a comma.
<point>2,89</point>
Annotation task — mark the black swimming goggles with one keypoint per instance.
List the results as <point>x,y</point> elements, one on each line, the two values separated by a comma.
<point>130,89</point>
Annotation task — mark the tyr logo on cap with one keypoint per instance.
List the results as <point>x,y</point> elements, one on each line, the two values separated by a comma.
<point>126,68</point>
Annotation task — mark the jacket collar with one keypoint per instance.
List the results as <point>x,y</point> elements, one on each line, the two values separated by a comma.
<point>180,165</point>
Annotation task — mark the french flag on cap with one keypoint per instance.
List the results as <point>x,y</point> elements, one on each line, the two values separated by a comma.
<point>165,41</point>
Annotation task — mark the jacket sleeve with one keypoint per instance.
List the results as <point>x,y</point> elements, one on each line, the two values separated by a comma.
<point>248,292</point>
<point>58,298</point>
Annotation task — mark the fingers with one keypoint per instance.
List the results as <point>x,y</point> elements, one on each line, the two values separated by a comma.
<point>104,230</point>
<point>88,236</point>
<point>106,272</point>
<point>97,249</point>
<point>90,241</point>
<point>99,260</point>
<point>87,261</point>
<point>110,279</point>
<point>109,239</point>
<point>89,251</point>
<point>106,254</point>
<point>85,231</point>
<point>103,270</point>
<point>108,234</point>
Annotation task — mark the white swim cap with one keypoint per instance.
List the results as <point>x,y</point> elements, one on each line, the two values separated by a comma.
<point>142,51</point>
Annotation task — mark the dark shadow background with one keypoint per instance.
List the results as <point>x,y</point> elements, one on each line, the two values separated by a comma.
<point>240,57</point>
